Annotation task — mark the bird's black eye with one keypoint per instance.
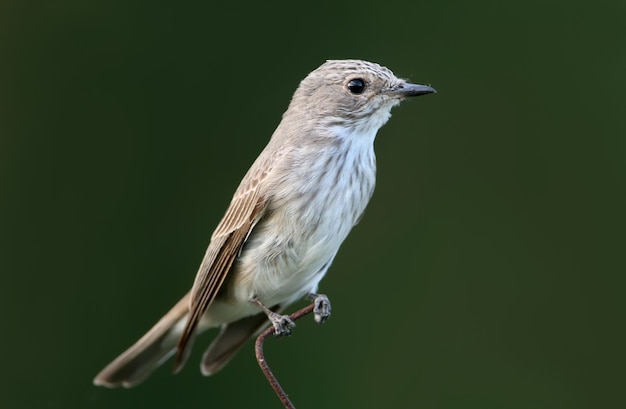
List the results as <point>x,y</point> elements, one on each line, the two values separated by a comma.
<point>356,86</point>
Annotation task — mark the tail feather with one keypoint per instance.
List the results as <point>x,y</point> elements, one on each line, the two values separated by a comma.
<point>230,340</point>
<point>141,359</point>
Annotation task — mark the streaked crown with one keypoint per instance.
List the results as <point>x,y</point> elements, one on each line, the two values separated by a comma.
<point>349,89</point>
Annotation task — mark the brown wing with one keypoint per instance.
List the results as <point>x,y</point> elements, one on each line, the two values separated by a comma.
<point>244,211</point>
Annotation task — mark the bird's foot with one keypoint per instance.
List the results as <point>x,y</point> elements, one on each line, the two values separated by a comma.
<point>321,311</point>
<point>282,324</point>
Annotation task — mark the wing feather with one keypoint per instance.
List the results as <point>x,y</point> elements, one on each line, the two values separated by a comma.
<point>245,210</point>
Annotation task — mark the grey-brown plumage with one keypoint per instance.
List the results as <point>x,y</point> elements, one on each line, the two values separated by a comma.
<point>285,223</point>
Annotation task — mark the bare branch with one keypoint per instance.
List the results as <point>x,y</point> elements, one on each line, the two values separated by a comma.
<point>260,357</point>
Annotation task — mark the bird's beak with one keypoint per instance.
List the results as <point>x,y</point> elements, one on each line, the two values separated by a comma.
<point>411,90</point>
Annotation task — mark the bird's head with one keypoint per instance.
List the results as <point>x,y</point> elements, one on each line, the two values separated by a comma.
<point>352,93</point>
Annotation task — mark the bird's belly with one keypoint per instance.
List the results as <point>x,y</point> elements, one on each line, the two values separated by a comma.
<point>277,268</point>
<point>289,251</point>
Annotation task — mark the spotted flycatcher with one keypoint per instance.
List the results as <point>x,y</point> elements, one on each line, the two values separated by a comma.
<point>285,223</point>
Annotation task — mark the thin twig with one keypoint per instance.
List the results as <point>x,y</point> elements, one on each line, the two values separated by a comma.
<point>260,357</point>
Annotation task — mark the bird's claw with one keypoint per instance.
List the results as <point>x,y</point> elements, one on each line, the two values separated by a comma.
<point>282,324</point>
<point>321,310</point>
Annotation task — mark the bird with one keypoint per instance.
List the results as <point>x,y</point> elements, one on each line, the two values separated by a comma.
<point>285,223</point>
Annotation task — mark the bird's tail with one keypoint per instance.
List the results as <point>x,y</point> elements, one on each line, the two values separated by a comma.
<point>138,361</point>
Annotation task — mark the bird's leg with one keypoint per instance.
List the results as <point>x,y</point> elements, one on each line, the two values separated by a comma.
<point>321,311</point>
<point>282,323</point>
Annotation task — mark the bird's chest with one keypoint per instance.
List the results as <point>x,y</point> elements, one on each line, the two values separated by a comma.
<point>331,196</point>
<point>290,250</point>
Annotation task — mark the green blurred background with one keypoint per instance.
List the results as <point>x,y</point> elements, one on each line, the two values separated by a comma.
<point>487,272</point>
